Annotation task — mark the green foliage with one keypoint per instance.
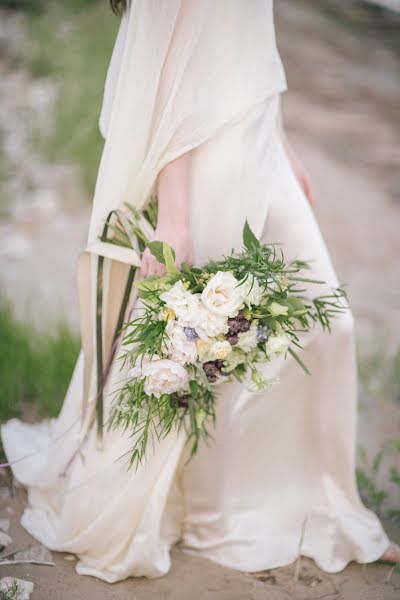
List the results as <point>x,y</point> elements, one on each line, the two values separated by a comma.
<point>367,479</point>
<point>70,43</point>
<point>37,6</point>
<point>28,5</point>
<point>34,366</point>
<point>13,592</point>
<point>250,242</point>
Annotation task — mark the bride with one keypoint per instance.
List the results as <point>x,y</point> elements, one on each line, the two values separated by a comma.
<point>191,113</point>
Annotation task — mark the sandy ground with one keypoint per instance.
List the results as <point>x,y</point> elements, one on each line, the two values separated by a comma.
<point>200,579</point>
<point>341,116</point>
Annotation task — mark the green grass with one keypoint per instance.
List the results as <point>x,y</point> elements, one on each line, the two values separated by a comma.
<point>34,366</point>
<point>379,377</point>
<point>12,592</point>
<point>71,44</point>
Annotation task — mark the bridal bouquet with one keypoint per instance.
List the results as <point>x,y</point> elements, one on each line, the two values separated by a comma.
<point>196,328</point>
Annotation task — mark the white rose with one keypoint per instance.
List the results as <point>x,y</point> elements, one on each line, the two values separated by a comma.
<point>184,304</point>
<point>252,291</point>
<point>164,376</point>
<point>179,348</point>
<point>219,350</point>
<point>223,295</point>
<point>211,324</point>
<point>277,344</point>
<point>248,339</point>
<point>277,309</point>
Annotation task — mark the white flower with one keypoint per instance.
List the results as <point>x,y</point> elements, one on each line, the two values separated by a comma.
<point>248,339</point>
<point>163,376</point>
<point>137,370</point>
<point>277,344</point>
<point>260,383</point>
<point>203,346</point>
<point>178,346</point>
<point>223,295</point>
<point>184,304</point>
<point>235,358</point>
<point>252,291</point>
<point>277,309</point>
<point>219,350</point>
<point>211,324</point>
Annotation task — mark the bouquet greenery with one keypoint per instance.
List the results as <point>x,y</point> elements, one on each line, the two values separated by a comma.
<point>196,328</point>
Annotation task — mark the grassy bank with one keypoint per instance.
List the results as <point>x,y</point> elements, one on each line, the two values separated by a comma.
<point>34,366</point>
<point>70,44</point>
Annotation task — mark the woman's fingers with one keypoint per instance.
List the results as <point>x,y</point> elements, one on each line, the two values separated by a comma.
<point>306,184</point>
<point>150,265</point>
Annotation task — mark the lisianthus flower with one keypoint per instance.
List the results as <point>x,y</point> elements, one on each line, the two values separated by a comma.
<point>252,290</point>
<point>223,295</point>
<point>184,304</point>
<point>209,324</point>
<point>248,339</point>
<point>277,344</point>
<point>177,344</point>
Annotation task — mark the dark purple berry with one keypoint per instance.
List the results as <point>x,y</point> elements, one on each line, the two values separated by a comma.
<point>212,369</point>
<point>238,324</point>
<point>232,338</point>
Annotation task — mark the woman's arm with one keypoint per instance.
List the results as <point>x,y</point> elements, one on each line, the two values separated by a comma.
<point>299,170</point>
<point>173,215</point>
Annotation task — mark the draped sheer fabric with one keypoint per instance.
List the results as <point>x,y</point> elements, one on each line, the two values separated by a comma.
<point>181,71</point>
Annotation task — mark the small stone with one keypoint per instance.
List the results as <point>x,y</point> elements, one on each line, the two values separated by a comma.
<point>5,525</point>
<point>5,540</point>
<point>39,552</point>
<point>70,557</point>
<point>25,587</point>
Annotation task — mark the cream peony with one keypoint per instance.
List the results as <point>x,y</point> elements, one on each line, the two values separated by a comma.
<point>184,304</point>
<point>248,339</point>
<point>223,295</point>
<point>277,344</point>
<point>210,324</point>
<point>179,348</point>
<point>252,291</point>
<point>164,376</point>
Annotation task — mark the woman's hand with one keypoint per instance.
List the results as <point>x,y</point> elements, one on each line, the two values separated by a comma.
<point>300,172</point>
<point>173,216</point>
<point>177,235</point>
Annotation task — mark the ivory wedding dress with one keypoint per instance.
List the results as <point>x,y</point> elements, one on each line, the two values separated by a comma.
<point>278,480</point>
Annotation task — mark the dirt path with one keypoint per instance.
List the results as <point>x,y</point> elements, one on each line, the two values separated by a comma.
<point>201,579</point>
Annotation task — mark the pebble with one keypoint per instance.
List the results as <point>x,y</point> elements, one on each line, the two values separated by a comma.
<point>70,557</point>
<point>5,540</point>
<point>5,525</point>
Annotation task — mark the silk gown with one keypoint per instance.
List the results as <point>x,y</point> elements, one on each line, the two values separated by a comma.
<point>278,478</point>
